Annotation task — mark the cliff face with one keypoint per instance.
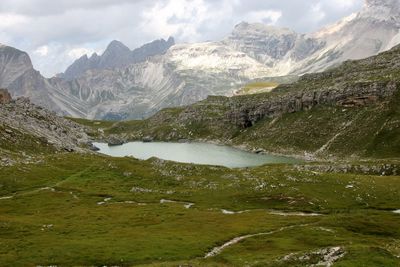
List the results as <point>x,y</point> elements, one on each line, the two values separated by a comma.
<point>360,94</point>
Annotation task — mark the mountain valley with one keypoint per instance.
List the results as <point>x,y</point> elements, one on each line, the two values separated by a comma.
<point>326,104</point>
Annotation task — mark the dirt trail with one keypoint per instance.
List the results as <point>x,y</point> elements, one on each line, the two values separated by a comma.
<point>218,250</point>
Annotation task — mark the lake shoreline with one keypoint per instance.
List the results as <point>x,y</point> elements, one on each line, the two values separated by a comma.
<point>201,153</point>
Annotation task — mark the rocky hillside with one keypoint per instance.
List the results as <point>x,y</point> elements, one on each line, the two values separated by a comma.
<point>32,129</point>
<point>349,110</point>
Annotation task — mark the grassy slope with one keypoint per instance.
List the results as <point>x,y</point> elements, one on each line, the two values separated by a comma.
<point>257,87</point>
<point>66,226</point>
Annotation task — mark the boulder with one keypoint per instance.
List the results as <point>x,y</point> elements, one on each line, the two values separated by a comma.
<point>5,96</point>
<point>93,147</point>
<point>115,141</point>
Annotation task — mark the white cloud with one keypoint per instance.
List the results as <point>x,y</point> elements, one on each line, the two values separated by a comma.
<point>78,52</point>
<point>268,17</point>
<point>317,13</point>
<point>42,50</point>
<point>344,3</point>
<point>7,20</point>
<point>185,19</point>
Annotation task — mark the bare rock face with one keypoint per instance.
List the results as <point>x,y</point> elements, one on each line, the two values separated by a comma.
<point>5,96</point>
<point>13,63</point>
<point>355,95</point>
<point>376,3</point>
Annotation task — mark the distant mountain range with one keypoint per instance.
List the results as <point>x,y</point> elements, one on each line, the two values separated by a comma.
<point>125,84</point>
<point>117,55</point>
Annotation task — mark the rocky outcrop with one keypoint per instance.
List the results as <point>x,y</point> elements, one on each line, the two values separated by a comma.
<point>5,96</point>
<point>359,94</point>
<point>115,140</point>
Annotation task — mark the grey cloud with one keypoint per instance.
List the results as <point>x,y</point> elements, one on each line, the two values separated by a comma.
<point>49,7</point>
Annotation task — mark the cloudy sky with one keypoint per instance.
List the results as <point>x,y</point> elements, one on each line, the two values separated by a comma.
<point>56,32</point>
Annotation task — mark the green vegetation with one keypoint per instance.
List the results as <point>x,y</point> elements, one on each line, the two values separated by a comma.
<point>96,124</point>
<point>91,210</point>
<point>257,87</point>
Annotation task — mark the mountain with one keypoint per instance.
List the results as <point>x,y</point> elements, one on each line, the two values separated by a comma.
<point>348,111</point>
<point>116,55</point>
<point>124,84</point>
<point>187,73</point>
<point>373,30</point>
<point>181,76</point>
<point>21,79</point>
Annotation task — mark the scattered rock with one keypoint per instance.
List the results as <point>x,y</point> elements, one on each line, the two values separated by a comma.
<point>93,147</point>
<point>326,257</point>
<point>148,139</point>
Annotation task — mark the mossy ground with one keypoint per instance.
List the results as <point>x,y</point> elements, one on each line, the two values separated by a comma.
<point>90,210</point>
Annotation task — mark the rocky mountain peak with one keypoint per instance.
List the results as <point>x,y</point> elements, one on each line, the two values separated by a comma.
<point>264,43</point>
<point>261,29</point>
<point>14,62</point>
<point>116,48</point>
<point>116,55</point>
<point>171,40</point>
